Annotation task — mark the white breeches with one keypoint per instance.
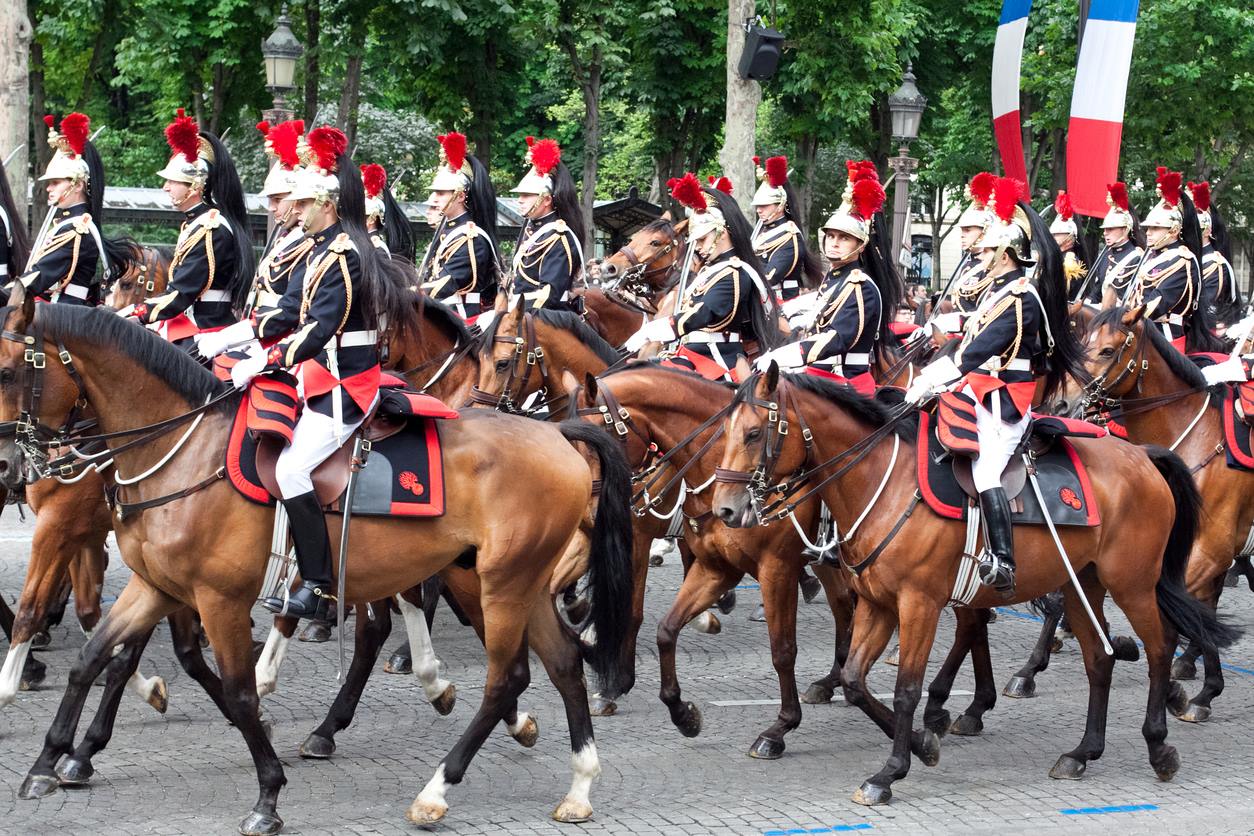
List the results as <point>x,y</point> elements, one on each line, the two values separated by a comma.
<point>316,437</point>
<point>998,441</point>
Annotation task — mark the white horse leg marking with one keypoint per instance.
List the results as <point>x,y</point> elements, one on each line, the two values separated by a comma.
<point>430,805</point>
<point>576,807</point>
<point>267,671</point>
<point>422,651</point>
<point>706,622</point>
<point>11,673</point>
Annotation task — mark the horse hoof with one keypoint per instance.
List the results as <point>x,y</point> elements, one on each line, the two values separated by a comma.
<point>599,706</point>
<point>727,603</point>
<point>33,674</point>
<point>75,772</point>
<point>1167,764</point>
<point>260,824</point>
<point>967,726</point>
<point>1020,688</point>
<point>528,734</point>
<point>658,560</point>
<point>707,623</point>
<point>927,748</point>
<point>811,588</point>
<point>317,747</point>
<point>38,786</point>
<point>426,812</point>
<point>1195,713</point>
<point>1183,668</point>
<point>766,749</point>
<point>315,631</point>
<point>938,722</point>
<point>687,718</point>
<point>444,703</point>
<point>1177,699</point>
<point>1056,645</point>
<point>399,663</point>
<point>159,699</point>
<point>1068,769</point>
<point>1125,649</point>
<point>872,795</point>
<point>572,812</point>
<point>817,694</point>
<point>40,640</point>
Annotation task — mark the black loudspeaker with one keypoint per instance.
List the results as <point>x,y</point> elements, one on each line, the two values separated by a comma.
<point>760,57</point>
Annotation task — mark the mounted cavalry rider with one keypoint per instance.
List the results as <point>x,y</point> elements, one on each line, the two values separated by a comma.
<point>333,340</point>
<point>67,255</point>
<point>1220,294</point>
<point>726,309</point>
<point>1170,277</point>
<point>850,321</point>
<point>284,258</point>
<point>462,265</point>
<point>1018,334</point>
<point>777,238</point>
<point>1066,232</point>
<point>1120,258</point>
<point>385,219</point>
<point>212,268</point>
<point>549,254</point>
<point>969,279</point>
<point>14,240</point>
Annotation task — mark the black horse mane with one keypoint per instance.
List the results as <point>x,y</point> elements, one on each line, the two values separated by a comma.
<point>444,318</point>
<point>105,330</point>
<point>844,397</point>
<point>1179,365</point>
<point>659,225</point>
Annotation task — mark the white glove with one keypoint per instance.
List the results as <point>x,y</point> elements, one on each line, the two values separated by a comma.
<point>125,312</point>
<point>919,391</point>
<point>654,331</point>
<point>799,304</point>
<point>248,367</point>
<point>950,323</point>
<point>212,344</point>
<point>787,356</point>
<point>1231,370</point>
<point>485,319</point>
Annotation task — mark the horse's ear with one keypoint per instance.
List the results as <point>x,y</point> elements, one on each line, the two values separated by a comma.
<point>24,302</point>
<point>743,369</point>
<point>569,382</point>
<point>666,216</point>
<point>502,302</point>
<point>681,227</point>
<point>1133,316</point>
<point>590,386</point>
<point>514,316</point>
<point>771,379</point>
<point>1075,307</point>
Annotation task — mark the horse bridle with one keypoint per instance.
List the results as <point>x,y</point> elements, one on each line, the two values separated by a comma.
<point>758,481</point>
<point>526,357</point>
<point>636,276</point>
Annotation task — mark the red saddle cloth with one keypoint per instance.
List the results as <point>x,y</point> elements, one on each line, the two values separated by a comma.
<point>1237,443</point>
<point>1063,477</point>
<point>404,471</point>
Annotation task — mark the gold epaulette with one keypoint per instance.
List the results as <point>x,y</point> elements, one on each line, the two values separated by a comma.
<point>1020,286</point>
<point>341,244</point>
<point>857,276</point>
<point>82,224</point>
<point>213,219</point>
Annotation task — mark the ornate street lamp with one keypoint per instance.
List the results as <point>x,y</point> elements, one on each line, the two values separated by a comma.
<point>281,51</point>
<point>906,106</point>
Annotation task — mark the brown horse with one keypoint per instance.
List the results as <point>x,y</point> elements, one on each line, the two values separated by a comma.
<point>1160,397</point>
<point>144,278</point>
<point>905,559</point>
<point>624,290</point>
<point>182,556</point>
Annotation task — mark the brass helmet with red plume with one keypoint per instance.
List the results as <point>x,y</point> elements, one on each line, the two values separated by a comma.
<point>1120,214</point>
<point>1200,192</point>
<point>67,162</point>
<point>190,153</point>
<point>1166,213</point>
<point>454,173</point>
<point>704,216</point>
<point>317,178</point>
<point>1064,219</point>
<point>862,200</point>
<point>1011,229</point>
<point>282,143</point>
<point>543,155</point>
<point>979,192</point>
<point>773,176</point>
<point>374,179</point>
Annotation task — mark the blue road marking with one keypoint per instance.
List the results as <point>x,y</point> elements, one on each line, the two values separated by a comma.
<point>836,828</point>
<point>1119,808</point>
<point>752,586</point>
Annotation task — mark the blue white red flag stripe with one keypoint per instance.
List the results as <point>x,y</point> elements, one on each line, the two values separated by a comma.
<point>1007,54</point>
<point>1097,103</point>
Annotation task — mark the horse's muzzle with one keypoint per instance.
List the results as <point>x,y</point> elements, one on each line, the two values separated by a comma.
<point>13,472</point>
<point>737,512</point>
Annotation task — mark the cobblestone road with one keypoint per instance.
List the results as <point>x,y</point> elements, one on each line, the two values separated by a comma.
<point>189,772</point>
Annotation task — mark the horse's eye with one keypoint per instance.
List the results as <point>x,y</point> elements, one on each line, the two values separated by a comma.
<point>502,365</point>
<point>753,434</point>
<point>1106,352</point>
<point>7,377</point>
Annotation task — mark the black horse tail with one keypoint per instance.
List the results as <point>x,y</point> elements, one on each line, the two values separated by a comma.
<point>1191,618</point>
<point>609,562</point>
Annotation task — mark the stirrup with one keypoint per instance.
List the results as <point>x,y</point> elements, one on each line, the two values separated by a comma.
<point>996,573</point>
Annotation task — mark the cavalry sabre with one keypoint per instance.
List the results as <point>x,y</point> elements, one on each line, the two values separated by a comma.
<point>356,463</point>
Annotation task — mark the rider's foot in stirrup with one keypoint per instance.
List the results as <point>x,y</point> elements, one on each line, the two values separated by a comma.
<point>310,600</point>
<point>997,573</point>
<point>831,557</point>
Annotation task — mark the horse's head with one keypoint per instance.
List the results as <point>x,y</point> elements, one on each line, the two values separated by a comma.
<point>646,262</point>
<point>143,278</point>
<point>1116,352</point>
<point>511,363</point>
<point>37,394</point>
<point>756,446</point>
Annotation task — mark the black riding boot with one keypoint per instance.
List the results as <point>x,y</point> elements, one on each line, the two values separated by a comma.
<point>313,557</point>
<point>997,562</point>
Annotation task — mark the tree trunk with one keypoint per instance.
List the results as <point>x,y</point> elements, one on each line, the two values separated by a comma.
<point>743,97</point>
<point>346,118</point>
<point>15,116</point>
<point>482,106</point>
<point>1059,167</point>
<point>217,101</point>
<point>97,55</point>
<point>807,161</point>
<point>591,148</point>
<point>313,73</point>
<point>43,154</point>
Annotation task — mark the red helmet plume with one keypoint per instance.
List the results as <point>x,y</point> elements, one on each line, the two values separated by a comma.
<point>687,190</point>
<point>1007,192</point>
<point>545,154</point>
<point>1117,195</point>
<point>1062,205</point>
<point>454,147</point>
<point>1201,195</point>
<point>264,127</point>
<point>776,171</point>
<point>183,136</point>
<point>981,188</point>
<point>723,184</point>
<point>50,121</point>
<point>868,197</point>
<point>327,144</point>
<point>374,178</point>
<point>284,139</point>
<point>1169,185</point>
<point>75,128</point>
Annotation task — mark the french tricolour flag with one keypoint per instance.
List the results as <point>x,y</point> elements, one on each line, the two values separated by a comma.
<point>1101,83</point>
<point>1007,54</point>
